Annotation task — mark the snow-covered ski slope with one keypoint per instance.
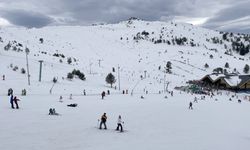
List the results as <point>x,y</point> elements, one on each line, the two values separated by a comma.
<point>152,123</point>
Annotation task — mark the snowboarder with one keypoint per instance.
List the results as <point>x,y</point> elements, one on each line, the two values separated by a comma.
<point>119,123</point>
<point>103,94</point>
<point>103,121</point>
<point>190,105</point>
<point>15,101</point>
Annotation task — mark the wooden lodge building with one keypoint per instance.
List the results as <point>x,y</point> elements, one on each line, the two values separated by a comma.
<point>230,82</point>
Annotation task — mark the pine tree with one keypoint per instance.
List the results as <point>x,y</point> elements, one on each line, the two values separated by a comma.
<point>70,75</point>
<point>110,79</point>
<point>69,60</point>
<point>246,68</point>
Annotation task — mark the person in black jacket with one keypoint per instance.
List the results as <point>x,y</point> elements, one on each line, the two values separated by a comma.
<point>103,121</point>
<point>190,105</point>
<point>12,101</point>
<point>103,94</point>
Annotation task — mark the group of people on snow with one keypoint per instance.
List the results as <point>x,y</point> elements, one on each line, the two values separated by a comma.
<point>104,120</point>
<point>52,111</point>
<point>13,100</point>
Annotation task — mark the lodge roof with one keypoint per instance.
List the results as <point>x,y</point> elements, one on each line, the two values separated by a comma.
<point>232,80</point>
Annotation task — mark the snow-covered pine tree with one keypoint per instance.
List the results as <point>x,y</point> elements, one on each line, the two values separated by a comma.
<point>110,79</point>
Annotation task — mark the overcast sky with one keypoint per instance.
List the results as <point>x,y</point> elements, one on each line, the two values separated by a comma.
<point>227,15</point>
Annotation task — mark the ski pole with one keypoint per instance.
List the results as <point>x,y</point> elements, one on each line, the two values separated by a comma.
<point>97,123</point>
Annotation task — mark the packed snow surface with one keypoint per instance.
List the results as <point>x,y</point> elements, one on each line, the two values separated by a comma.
<point>150,123</point>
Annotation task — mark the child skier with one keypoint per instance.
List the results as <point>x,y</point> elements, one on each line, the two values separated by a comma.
<point>103,121</point>
<point>119,124</point>
<point>15,101</point>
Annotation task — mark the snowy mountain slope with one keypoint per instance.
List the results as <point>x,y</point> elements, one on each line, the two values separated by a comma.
<point>118,44</point>
<point>155,122</point>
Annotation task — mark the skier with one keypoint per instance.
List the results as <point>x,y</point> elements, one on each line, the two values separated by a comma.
<point>12,102</point>
<point>103,121</point>
<point>15,101</point>
<point>51,111</point>
<point>24,92</point>
<point>84,92</point>
<point>195,100</point>
<point>60,98</point>
<point>3,77</point>
<point>108,92</point>
<point>70,96</point>
<point>103,94</point>
<point>119,123</point>
<point>190,105</point>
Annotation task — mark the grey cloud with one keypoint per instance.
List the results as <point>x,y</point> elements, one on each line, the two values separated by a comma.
<point>235,18</point>
<point>26,18</point>
<point>82,12</point>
